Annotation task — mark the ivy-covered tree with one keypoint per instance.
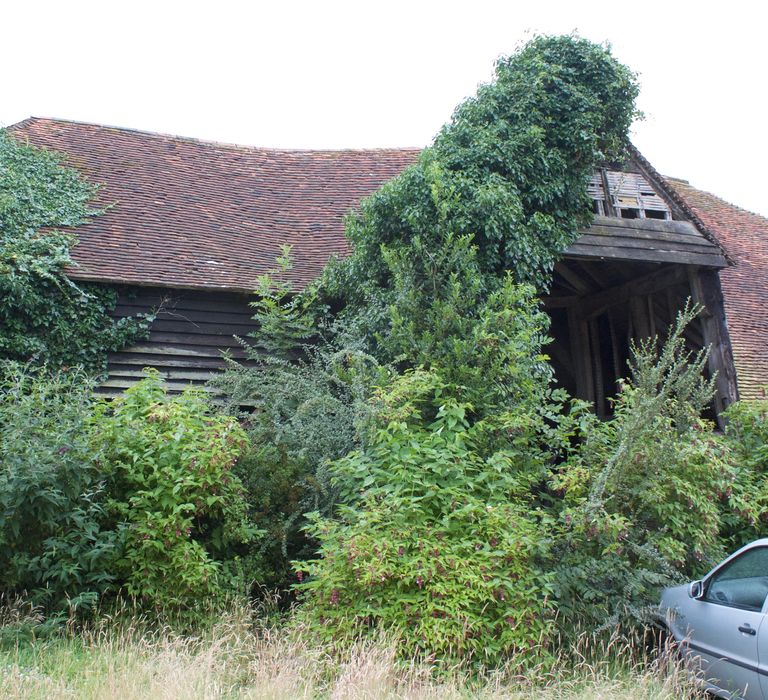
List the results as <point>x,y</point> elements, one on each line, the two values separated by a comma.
<point>509,171</point>
<point>44,316</point>
<point>446,262</point>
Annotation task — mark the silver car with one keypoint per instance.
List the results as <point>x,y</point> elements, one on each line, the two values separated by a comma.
<point>719,624</point>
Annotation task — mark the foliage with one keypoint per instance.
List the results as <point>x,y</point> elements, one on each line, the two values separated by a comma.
<point>644,496</point>
<point>168,465</point>
<point>488,345</point>
<point>431,281</point>
<point>747,435</point>
<point>52,543</point>
<point>438,542</point>
<point>747,423</point>
<point>302,403</point>
<point>44,316</point>
<point>441,535</point>
<point>509,171</point>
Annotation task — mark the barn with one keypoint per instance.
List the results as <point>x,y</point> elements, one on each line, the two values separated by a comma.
<point>191,224</point>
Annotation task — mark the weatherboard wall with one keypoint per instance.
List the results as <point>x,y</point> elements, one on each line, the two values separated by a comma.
<point>188,339</point>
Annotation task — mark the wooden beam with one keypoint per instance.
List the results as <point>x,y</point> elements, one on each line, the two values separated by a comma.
<point>651,316</point>
<point>641,327</point>
<point>610,210</point>
<point>597,252</point>
<point>618,370</point>
<point>596,304</point>
<point>576,281</point>
<point>582,363</point>
<point>597,367</point>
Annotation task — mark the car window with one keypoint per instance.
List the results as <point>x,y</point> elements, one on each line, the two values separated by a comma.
<point>743,583</point>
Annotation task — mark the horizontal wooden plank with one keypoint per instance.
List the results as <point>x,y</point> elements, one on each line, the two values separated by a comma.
<point>182,350</point>
<point>645,255</point>
<point>127,383</point>
<point>116,371</point>
<point>223,315</point>
<point>668,225</point>
<point>643,235</point>
<point>207,301</point>
<point>177,325</point>
<point>222,341</point>
<point>152,360</point>
<point>625,242</point>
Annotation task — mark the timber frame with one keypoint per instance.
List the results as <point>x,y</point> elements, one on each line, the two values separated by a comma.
<point>625,280</point>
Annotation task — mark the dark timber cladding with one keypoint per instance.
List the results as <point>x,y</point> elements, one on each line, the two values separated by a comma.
<point>625,280</point>
<point>649,240</point>
<point>187,339</point>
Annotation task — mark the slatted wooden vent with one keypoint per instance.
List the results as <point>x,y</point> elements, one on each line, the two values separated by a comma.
<point>631,196</point>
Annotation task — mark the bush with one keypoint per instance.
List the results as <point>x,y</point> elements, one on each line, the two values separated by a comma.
<point>646,495</point>
<point>168,466</point>
<point>747,436</point>
<point>439,545</point>
<point>305,405</point>
<point>52,543</point>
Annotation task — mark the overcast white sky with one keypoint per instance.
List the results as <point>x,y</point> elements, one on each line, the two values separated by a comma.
<point>362,74</point>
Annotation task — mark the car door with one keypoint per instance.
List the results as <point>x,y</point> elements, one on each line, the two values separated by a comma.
<point>726,623</point>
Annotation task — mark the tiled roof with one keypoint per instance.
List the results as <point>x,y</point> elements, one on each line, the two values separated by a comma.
<point>745,285</point>
<point>196,214</point>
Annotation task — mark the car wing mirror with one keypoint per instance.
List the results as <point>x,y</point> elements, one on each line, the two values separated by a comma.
<point>696,590</point>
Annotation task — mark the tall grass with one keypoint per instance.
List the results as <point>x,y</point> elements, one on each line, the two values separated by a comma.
<point>122,658</point>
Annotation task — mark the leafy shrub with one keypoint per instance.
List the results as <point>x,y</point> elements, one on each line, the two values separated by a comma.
<point>747,436</point>
<point>441,535</point>
<point>168,465</point>
<point>52,543</point>
<point>44,316</point>
<point>305,405</point>
<point>438,543</point>
<point>645,496</point>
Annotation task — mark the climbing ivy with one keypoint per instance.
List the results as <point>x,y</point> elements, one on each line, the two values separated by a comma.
<point>509,171</point>
<point>44,316</point>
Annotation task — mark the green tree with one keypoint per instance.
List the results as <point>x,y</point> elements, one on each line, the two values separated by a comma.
<point>649,498</point>
<point>509,171</point>
<point>53,546</point>
<point>167,464</point>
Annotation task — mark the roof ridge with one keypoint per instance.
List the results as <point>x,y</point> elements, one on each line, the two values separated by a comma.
<point>213,142</point>
<point>686,183</point>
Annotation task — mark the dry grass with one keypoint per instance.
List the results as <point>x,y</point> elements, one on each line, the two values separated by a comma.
<point>122,661</point>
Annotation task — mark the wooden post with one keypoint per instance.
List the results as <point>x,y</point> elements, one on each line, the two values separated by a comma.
<point>582,362</point>
<point>597,367</point>
<point>617,367</point>
<point>640,322</point>
<point>706,291</point>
